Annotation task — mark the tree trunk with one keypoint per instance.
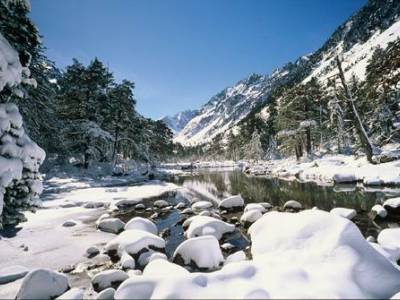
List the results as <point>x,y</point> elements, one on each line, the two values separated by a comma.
<point>308,140</point>
<point>365,142</point>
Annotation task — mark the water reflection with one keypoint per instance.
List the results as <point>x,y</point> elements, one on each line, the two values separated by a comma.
<point>217,185</point>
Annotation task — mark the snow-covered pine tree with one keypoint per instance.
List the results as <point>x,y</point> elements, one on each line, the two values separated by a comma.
<point>20,157</point>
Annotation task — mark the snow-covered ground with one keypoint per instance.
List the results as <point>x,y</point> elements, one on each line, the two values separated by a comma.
<point>43,241</point>
<point>330,169</point>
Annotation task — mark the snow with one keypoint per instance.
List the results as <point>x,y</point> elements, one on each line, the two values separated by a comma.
<point>203,251</point>
<point>255,206</point>
<point>232,202</point>
<point>392,203</point>
<point>313,254</point>
<point>107,294</point>
<point>389,238</point>
<point>112,225</point>
<point>347,213</point>
<point>204,225</point>
<point>42,284</point>
<point>292,204</point>
<point>250,216</point>
<point>132,241</point>
<point>235,257</point>
<point>106,279</point>
<point>140,223</point>
<point>127,261</point>
<point>72,294</point>
<point>379,210</point>
<point>322,170</point>
<point>344,177</point>
<point>12,273</point>
<point>10,66</point>
<point>160,203</point>
<point>201,205</point>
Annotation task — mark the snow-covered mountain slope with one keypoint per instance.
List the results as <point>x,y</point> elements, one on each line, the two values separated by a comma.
<point>374,25</point>
<point>178,121</point>
<point>227,108</point>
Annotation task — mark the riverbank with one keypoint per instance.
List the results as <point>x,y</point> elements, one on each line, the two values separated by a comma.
<point>331,169</point>
<point>194,229</point>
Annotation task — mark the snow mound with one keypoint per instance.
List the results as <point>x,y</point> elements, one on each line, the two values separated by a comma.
<point>203,225</point>
<point>200,253</point>
<point>235,257</point>
<point>344,178</point>
<point>200,205</point>
<point>12,273</point>
<point>379,210</point>
<point>250,216</point>
<point>160,203</point>
<point>42,284</point>
<point>163,267</point>
<point>392,205</point>
<point>347,213</point>
<point>311,254</point>
<point>232,202</point>
<point>133,241</point>
<point>112,225</point>
<point>127,261</point>
<point>255,206</point>
<point>72,294</point>
<point>107,294</point>
<point>292,204</point>
<point>390,238</point>
<point>140,223</point>
<point>107,279</point>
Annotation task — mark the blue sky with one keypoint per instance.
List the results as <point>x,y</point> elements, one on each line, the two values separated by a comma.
<point>179,53</point>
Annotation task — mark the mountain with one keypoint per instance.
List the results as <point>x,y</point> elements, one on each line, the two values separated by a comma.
<point>178,121</point>
<point>374,25</point>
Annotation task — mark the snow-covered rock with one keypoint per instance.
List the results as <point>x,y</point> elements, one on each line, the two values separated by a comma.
<point>200,252</point>
<point>133,241</point>
<point>201,205</point>
<point>392,205</point>
<point>373,181</point>
<point>160,203</point>
<point>140,223</point>
<point>347,213</point>
<point>205,213</point>
<point>391,253</point>
<point>72,294</point>
<point>389,237</point>
<point>310,254</point>
<point>255,206</point>
<point>235,257</point>
<point>232,202</point>
<point>140,206</point>
<point>187,211</point>
<point>12,273</point>
<point>266,205</point>
<point>203,225</point>
<point>250,216</point>
<point>180,205</point>
<point>107,294</point>
<point>112,225</point>
<point>102,217</point>
<point>42,284</point>
<point>108,278</point>
<point>127,261</point>
<point>379,210</point>
<point>292,204</point>
<point>344,178</point>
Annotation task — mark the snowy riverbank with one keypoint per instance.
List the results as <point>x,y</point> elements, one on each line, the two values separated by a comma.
<point>125,241</point>
<point>331,169</point>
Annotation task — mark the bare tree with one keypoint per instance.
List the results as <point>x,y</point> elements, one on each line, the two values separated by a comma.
<point>366,143</point>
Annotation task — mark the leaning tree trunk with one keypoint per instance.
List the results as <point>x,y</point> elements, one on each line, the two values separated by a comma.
<point>364,139</point>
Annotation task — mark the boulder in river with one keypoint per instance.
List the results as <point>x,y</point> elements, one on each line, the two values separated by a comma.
<point>292,205</point>
<point>107,279</point>
<point>43,284</point>
<point>232,203</point>
<point>112,225</point>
